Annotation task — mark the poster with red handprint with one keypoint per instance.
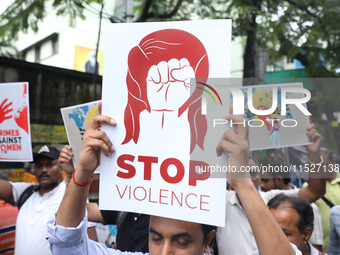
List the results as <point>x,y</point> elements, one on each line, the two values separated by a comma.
<point>149,88</point>
<point>15,132</point>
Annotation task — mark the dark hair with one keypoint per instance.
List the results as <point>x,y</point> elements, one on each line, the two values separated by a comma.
<point>298,203</point>
<point>206,230</point>
<point>277,159</point>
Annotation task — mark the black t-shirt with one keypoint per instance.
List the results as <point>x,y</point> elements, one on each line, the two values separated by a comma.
<point>133,233</point>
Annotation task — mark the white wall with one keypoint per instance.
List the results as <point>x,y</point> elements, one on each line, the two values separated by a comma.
<point>84,34</point>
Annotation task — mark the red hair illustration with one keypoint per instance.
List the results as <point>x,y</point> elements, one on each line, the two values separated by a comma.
<point>164,45</point>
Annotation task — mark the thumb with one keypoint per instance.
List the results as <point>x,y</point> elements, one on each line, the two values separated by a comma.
<point>182,73</point>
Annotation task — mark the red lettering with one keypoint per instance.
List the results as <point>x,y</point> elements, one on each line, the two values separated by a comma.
<point>194,176</point>
<point>174,195</point>
<point>201,202</point>
<point>11,132</point>
<point>164,170</point>
<point>150,197</point>
<point>186,200</point>
<point>131,170</point>
<point>134,193</point>
<point>10,147</point>
<point>147,165</point>
<point>160,196</point>
<point>121,196</point>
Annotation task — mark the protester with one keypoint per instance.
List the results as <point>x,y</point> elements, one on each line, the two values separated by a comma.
<point>276,180</point>
<point>332,196</point>
<point>132,228</point>
<point>8,218</point>
<point>237,232</point>
<point>295,217</point>
<point>333,246</point>
<point>66,163</point>
<point>41,200</point>
<point>166,236</point>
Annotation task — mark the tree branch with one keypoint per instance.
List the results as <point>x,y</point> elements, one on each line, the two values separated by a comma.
<point>145,15</point>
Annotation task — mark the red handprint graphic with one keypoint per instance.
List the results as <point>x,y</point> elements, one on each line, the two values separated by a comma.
<point>5,110</point>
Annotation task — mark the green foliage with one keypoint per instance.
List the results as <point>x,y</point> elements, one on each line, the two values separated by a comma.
<point>26,14</point>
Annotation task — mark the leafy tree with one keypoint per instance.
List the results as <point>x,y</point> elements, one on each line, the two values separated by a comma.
<point>25,14</point>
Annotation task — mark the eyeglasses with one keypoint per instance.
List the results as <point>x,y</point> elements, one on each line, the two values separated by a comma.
<point>48,166</point>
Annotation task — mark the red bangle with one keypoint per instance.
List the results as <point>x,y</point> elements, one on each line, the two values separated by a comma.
<point>81,184</point>
<point>68,175</point>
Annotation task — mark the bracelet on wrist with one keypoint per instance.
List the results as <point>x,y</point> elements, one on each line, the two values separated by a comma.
<point>312,163</point>
<point>81,184</point>
<point>68,175</point>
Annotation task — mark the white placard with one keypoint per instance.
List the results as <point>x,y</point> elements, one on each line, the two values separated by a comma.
<point>76,119</point>
<point>146,88</point>
<point>15,131</point>
<point>276,130</point>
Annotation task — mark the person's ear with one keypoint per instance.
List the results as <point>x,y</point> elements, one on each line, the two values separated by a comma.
<point>208,240</point>
<point>306,234</point>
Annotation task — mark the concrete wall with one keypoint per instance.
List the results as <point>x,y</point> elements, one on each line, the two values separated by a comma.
<point>50,88</point>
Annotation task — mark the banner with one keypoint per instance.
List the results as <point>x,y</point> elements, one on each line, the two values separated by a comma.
<point>146,88</point>
<point>76,119</point>
<point>15,131</point>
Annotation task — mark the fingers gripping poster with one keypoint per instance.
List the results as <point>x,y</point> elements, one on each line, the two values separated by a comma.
<point>15,132</point>
<point>147,90</point>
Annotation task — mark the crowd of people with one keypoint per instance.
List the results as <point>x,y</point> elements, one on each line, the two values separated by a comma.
<point>265,214</point>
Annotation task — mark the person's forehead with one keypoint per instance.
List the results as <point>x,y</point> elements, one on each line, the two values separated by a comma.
<point>44,159</point>
<point>266,176</point>
<point>286,216</point>
<point>173,227</point>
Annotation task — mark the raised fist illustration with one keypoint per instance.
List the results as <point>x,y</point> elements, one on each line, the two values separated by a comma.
<point>5,110</point>
<point>168,84</point>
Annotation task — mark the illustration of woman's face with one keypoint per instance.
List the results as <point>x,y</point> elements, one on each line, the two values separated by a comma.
<point>168,84</point>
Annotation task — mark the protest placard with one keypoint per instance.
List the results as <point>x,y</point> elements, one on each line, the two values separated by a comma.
<point>15,131</point>
<point>146,88</point>
<point>283,126</point>
<point>76,119</point>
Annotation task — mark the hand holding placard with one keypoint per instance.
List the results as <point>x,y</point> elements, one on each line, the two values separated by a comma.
<point>313,149</point>
<point>94,141</point>
<point>236,145</point>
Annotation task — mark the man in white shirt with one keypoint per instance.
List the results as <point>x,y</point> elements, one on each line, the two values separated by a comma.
<point>237,232</point>
<point>295,216</point>
<point>166,236</point>
<point>42,201</point>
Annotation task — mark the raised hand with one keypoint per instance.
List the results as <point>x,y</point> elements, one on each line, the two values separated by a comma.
<point>4,111</point>
<point>313,149</point>
<point>236,145</point>
<point>65,159</point>
<point>169,82</point>
<point>94,141</point>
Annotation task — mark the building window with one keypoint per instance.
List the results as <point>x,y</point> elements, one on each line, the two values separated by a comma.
<point>23,55</point>
<point>37,52</point>
<point>290,60</point>
<point>55,45</point>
